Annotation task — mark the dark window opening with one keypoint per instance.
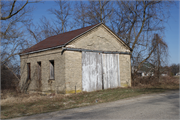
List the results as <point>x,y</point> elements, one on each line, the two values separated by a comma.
<point>28,71</point>
<point>39,70</point>
<point>51,69</point>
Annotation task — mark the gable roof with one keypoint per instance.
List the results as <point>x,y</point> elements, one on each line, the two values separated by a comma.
<point>62,39</point>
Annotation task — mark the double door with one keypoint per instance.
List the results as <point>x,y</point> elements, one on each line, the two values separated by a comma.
<point>100,71</point>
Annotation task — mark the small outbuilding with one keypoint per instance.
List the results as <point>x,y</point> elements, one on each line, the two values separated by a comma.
<point>87,59</point>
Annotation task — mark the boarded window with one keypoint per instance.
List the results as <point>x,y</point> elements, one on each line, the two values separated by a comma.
<point>39,70</point>
<point>28,71</point>
<point>51,69</point>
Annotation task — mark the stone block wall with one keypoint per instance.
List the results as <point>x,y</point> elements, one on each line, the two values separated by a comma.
<point>68,66</point>
<point>99,39</point>
<point>56,85</point>
<point>125,70</point>
<point>73,71</point>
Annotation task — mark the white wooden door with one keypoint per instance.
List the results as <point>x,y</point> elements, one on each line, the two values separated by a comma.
<point>111,73</point>
<point>100,71</point>
<point>91,71</point>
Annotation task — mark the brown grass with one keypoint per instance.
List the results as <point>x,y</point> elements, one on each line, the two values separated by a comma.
<point>153,82</point>
<point>16,104</point>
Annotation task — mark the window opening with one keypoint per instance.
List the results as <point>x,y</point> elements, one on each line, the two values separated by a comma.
<point>28,71</point>
<point>51,69</point>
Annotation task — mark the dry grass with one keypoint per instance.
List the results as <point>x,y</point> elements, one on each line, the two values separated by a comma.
<point>14,105</point>
<point>27,98</point>
<point>153,82</point>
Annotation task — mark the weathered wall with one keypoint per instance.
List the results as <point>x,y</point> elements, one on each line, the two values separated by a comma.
<point>68,67</point>
<point>73,71</point>
<point>44,57</point>
<point>101,39</point>
<point>125,70</point>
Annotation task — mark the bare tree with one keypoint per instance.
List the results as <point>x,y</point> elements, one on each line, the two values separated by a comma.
<point>160,55</point>
<point>80,13</point>
<point>11,9</point>
<point>62,14</point>
<point>136,22</point>
<point>43,30</point>
<point>12,28</point>
<point>93,12</point>
<point>47,27</point>
<point>14,14</point>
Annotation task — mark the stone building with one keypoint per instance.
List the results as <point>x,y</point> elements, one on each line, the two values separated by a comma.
<point>86,59</point>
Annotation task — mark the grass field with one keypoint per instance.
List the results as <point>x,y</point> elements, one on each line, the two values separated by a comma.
<point>14,105</point>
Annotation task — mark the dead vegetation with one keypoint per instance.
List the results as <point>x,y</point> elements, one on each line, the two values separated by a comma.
<point>154,82</point>
<point>14,104</point>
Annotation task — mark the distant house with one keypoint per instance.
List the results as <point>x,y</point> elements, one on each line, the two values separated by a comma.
<point>178,74</point>
<point>146,69</point>
<point>86,59</point>
<point>164,74</point>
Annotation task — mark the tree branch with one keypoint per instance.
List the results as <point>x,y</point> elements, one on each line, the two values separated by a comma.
<point>10,14</point>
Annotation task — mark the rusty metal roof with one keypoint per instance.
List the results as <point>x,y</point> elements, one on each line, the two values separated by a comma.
<point>57,40</point>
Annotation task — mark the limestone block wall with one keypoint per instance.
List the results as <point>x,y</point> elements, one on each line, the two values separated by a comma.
<point>73,71</point>
<point>99,39</point>
<point>56,85</point>
<point>68,66</point>
<point>125,70</point>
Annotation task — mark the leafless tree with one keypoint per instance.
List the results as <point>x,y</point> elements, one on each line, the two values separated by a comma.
<point>136,22</point>
<point>80,13</point>
<point>50,27</point>
<point>13,17</point>
<point>43,30</point>
<point>10,9</point>
<point>62,14</point>
<point>93,12</point>
<point>160,55</point>
<point>12,32</point>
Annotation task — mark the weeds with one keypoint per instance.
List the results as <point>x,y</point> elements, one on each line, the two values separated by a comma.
<point>17,104</point>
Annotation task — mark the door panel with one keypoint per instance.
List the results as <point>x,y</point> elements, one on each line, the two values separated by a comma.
<point>91,71</point>
<point>111,73</point>
<point>100,71</point>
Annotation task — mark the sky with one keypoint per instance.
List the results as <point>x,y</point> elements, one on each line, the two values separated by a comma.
<point>171,35</point>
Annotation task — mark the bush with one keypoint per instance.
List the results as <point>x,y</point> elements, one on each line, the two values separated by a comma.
<point>152,81</point>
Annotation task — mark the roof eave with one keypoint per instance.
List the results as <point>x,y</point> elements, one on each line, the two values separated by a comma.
<point>41,50</point>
